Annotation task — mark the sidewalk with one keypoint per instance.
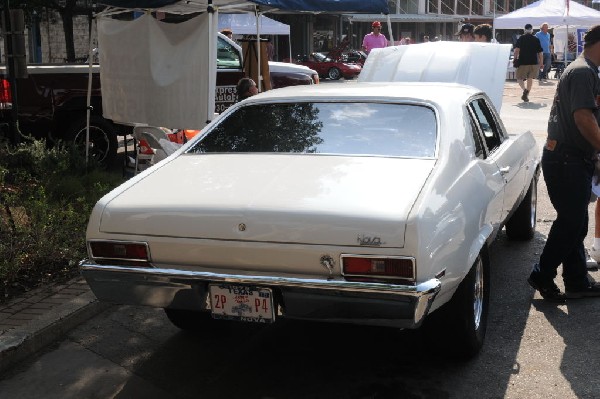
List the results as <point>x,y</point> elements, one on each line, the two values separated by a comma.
<point>40,316</point>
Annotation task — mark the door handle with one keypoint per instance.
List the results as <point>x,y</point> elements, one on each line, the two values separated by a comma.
<point>504,171</point>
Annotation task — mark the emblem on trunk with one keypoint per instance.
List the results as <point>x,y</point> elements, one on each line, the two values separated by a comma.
<point>372,241</point>
<point>242,227</point>
<point>329,264</point>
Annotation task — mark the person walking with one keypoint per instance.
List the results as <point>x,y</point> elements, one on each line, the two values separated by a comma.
<point>528,60</point>
<point>568,166</point>
<point>375,39</point>
<point>544,37</point>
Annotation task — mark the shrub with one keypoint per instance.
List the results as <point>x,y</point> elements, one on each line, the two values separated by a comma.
<point>46,196</point>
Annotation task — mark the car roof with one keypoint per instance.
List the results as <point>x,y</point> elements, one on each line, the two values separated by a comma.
<point>389,91</point>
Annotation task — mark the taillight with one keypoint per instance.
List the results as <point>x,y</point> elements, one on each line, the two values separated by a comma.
<point>5,95</point>
<point>119,252</point>
<point>367,267</point>
<point>315,78</point>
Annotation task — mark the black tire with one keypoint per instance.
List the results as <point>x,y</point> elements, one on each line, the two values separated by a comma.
<point>521,225</point>
<point>103,141</point>
<point>458,328</point>
<point>334,73</point>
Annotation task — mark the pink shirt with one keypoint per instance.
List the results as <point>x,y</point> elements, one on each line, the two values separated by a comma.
<point>372,41</point>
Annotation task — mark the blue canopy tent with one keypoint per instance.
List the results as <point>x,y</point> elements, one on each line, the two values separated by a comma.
<point>356,6</point>
<point>161,84</point>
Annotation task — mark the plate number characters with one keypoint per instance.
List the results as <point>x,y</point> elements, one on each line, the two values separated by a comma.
<point>242,303</point>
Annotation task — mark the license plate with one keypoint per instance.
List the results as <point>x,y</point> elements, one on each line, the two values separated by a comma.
<point>242,303</point>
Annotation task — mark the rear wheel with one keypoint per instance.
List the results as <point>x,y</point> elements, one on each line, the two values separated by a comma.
<point>102,143</point>
<point>521,225</point>
<point>460,325</point>
<point>334,73</point>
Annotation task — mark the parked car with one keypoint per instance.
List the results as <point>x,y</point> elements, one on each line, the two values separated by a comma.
<point>328,68</point>
<point>355,57</point>
<point>370,203</point>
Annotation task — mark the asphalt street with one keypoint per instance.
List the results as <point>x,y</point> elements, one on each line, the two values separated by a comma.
<point>533,349</point>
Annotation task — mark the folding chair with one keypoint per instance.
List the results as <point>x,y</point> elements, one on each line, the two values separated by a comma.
<point>157,139</point>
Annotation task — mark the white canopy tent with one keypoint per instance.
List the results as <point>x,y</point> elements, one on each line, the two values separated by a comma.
<point>554,12</point>
<point>245,24</point>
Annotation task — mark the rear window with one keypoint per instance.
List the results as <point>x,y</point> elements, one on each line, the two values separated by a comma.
<point>401,130</point>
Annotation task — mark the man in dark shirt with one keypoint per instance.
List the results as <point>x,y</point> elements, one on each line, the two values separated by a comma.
<point>567,163</point>
<point>529,56</point>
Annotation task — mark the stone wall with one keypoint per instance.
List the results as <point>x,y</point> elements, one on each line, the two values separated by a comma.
<point>53,47</point>
<point>53,38</point>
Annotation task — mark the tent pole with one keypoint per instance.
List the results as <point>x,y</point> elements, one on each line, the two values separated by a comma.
<point>258,49</point>
<point>212,26</point>
<point>88,107</point>
<point>493,20</point>
<point>389,24</point>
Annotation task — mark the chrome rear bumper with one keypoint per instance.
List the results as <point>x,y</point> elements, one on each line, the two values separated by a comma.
<point>336,300</point>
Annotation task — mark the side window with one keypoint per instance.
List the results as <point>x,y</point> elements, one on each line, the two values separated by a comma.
<point>479,151</point>
<point>484,118</point>
<point>228,56</point>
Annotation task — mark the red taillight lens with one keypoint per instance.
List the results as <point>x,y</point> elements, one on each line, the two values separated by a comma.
<point>119,250</point>
<point>402,268</point>
<point>5,95</point>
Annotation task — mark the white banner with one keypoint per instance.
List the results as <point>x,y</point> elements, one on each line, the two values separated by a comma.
<point>156,73</point>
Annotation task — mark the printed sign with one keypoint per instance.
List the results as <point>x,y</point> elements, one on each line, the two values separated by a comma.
<point>580,35</point>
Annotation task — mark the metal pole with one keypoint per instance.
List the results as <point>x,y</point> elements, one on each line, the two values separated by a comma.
<point>494,23</point>
<point>13,124</point>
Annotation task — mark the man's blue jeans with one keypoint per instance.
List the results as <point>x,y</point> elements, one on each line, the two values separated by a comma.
<point>543,74</point>
<point>568,176</point>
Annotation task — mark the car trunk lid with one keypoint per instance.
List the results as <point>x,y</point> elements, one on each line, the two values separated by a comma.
<point>310,199</point>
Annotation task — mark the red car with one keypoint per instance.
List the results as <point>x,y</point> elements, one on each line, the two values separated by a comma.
<point>328,68</point>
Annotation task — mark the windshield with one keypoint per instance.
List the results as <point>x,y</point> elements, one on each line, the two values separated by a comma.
<point>401,130</point>
<point>227,56</point>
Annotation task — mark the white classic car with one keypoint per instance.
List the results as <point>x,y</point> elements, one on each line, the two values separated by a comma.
<point>369,203</point>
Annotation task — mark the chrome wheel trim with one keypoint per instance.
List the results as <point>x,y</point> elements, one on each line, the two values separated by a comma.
<point>334,73</point>
<point>533,206</point>
<point>478,287</point>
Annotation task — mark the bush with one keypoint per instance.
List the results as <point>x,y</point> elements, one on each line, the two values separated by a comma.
<point>46,197</point>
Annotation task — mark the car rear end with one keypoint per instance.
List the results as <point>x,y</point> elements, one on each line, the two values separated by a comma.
<point>310,229</point>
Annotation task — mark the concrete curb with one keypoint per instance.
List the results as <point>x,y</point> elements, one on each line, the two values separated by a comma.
<point>21,342</point>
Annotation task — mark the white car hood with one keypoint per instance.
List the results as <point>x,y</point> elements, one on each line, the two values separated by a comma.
<point>327,200</point>
<point>481,65</point>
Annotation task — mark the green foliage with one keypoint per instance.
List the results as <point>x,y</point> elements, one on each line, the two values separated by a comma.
<point>46,197</point>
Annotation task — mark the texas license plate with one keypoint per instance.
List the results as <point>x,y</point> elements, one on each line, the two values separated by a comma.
<point>242,303</point>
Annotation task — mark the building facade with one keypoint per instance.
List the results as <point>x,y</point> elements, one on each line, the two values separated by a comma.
<point>412,19</point>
